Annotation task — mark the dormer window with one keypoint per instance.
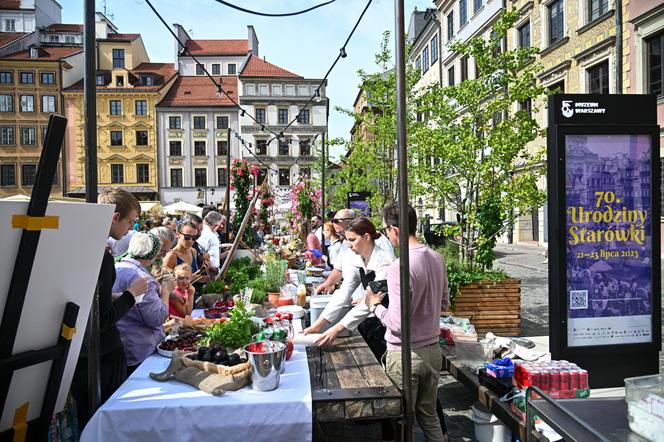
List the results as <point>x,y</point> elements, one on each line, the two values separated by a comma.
<point>147,80</point>
<point>101,80</point>
<point>34,53</point>
<point>54,39</point>
<point>119,80</point>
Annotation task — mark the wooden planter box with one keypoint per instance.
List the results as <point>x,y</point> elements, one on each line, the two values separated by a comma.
<point>491,306</point>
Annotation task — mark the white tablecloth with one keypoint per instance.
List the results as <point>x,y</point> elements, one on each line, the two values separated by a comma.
<point>146,410</point>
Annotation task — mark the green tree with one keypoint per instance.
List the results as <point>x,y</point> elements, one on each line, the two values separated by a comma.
<point>475,150</point>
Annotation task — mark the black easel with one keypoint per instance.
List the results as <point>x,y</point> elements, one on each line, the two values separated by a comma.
<point>32,223</point>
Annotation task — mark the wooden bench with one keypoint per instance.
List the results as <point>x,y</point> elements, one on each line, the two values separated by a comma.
<point>348,383</point>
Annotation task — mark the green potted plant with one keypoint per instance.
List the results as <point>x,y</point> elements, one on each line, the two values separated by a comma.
<point>275,270</point>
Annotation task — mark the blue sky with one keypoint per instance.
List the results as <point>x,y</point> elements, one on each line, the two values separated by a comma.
<point>305,44</point>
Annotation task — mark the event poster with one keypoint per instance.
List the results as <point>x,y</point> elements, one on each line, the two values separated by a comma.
<point>608,239</point>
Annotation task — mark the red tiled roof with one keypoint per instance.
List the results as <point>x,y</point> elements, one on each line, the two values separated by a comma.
<point>166,72</point>
<point>217,47</point>
<point>10,4</point>
<point>45,53</point>
<point>129,37</point>
<point>8,37</point>
<point>199,91</point>
<point>64,27</point>
<point>257,67</point>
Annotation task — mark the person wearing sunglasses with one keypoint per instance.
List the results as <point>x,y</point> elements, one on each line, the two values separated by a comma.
<point>183,252</point>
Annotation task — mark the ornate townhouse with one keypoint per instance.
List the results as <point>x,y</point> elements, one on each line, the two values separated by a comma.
<point>31,85</point>
<point>275,97</point>
<point>129,87</point>
<point>28,15</point>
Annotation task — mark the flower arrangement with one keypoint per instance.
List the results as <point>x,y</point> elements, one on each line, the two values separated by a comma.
<point>304,202</point>
<point>266,201</point>
<point>242,178</point>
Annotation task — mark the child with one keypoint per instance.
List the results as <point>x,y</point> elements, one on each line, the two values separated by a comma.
<point>181,301</point>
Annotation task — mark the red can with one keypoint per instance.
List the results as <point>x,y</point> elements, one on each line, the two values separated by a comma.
<point>545,380</point>
<point>573,379</point>
<point>583,378</point>
<point>564,380</point>
<point>535,377</point>
<point>554,380</point>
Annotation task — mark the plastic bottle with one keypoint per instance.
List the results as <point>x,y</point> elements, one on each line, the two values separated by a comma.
<point>301,295</point>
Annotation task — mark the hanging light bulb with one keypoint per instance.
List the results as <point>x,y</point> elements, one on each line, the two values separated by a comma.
<point>342,52</point>
<point>242,113</point>
<point>317,97</point>
<point>219,91</point>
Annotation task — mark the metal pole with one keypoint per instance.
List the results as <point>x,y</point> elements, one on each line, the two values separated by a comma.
<point>404,264</point>
<point>90,93</point>
<point>228,182</point>
<point>322,188</point>
<point>619,48</point>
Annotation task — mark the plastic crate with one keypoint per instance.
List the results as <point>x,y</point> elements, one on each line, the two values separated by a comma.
<point>645,405</point>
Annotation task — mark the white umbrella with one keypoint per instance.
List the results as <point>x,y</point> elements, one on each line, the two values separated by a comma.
<point>182,207</point>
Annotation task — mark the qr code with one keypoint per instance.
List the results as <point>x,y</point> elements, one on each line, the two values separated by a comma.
<point>578,299</point>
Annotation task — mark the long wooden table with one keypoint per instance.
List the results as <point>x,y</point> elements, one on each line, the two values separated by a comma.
<point>348,383</point>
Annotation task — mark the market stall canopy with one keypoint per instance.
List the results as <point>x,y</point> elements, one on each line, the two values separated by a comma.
<point>51,198</point>
<point>181,207</point>
<point>150,206</point>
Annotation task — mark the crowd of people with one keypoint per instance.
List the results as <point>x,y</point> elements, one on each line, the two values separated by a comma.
<point>151,270</point>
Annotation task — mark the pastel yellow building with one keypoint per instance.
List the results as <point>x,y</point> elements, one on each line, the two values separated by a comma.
<point>128,89</point>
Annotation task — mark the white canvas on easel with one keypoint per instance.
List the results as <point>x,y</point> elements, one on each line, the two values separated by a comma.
<point>66,268</point>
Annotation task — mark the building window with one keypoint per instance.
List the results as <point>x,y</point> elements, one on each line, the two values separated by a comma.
<point>282,116</point>
<point>199,122</point>
<point>6,136</point>
<point>284,177</point>
<point>463,12</point>
<point>222,122</point>
<point>231,68</point>
<point>284,147</point>
<point>262,173</point>
<point>477,5</point>
<point>464,68</point>
<point>7,175</point>
<point>262,89</point>
<point>597,8</point>
<point>6,78</point>
<point>27,78</point>
<point>199,148</point>
<point>174,122</point>
<point>116,138</point>
<point>119,80</point>
<point>558,88</point>
<point>147,80</point>
<point>70,39</point>
<point>199,69</point>
<point>305,172</point>
<point>28,136</point>
<point>260,116</point>
<point>27,103</point>
<point>304,116</point>
<point>222,148</point>
<point>47,78</point>
<point>141,107</point>
<point>116,107</point>
<point>250,89</point>
<point>277,90</point>
<point>434,49</point>
<point>28,174</point>
<point>175,148</point>
<point>303,90</point>
<point>418,63</point>
<point>118,58</point>
<point>450,26</point>
<point>54,39</point>
<point>305,147</point>
<point>141,137</point>
<point>556,21</point>
<point>425,59</point>
<point>524,35</point>
<point>598,78</point>
<point>48,103</point>
<point>10,25</point>
<point>655,64</point>
<point>101,80</point>
<point>200,177</point>
<point>176,177</point>
<point>117,173</point>
<point>527,105</point>
<point>142,173</point>
<point>6,103</point>
<point>261,147</point>
<point>222,177</point>
<point>216,69</point>
<point>450,76</point>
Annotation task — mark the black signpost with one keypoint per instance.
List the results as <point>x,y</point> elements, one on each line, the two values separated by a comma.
<point>604,254</point>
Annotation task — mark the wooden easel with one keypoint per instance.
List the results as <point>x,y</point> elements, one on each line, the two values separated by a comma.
<point>32,223</point>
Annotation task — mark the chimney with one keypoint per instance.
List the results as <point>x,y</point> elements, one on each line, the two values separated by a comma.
<point>183,36</point>
<point>253,40</point>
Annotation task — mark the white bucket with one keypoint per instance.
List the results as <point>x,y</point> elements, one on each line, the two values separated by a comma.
<point>488,428</point>
<point>317,304</point>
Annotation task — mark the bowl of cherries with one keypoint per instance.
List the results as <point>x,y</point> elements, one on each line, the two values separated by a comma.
<point>219,309</point>
<point>184,342</point>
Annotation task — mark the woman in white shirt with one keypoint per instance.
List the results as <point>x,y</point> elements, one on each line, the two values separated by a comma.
<point>363,257</point>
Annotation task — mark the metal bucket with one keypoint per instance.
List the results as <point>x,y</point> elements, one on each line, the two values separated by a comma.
<point>267,359</point>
